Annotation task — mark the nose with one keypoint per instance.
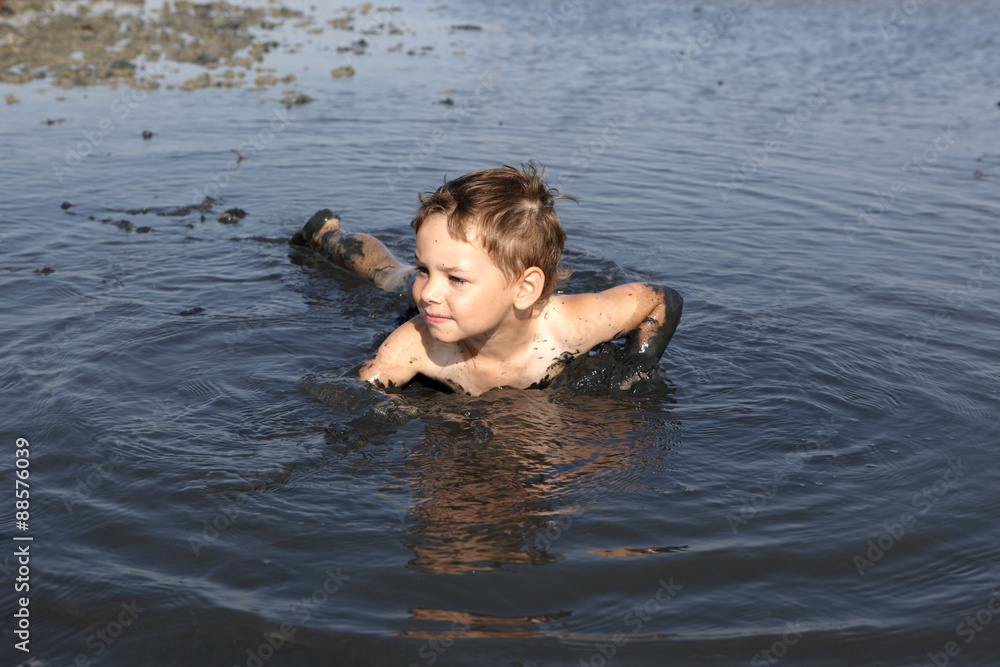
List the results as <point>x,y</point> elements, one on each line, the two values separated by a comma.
<point>430,290</point>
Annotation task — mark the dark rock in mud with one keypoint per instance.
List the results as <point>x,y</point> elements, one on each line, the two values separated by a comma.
<point>357,47</point>
<point>205,205</point>
<point>292,100</point>
<point>93,47</point>
<point>232,216</point>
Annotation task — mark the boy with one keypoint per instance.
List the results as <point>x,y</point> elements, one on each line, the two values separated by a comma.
<point>487,264</point>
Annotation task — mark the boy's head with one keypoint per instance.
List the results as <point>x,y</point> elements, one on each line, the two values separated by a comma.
<point>509,212</point>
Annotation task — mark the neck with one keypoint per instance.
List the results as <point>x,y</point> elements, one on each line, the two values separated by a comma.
<point>506,340</point>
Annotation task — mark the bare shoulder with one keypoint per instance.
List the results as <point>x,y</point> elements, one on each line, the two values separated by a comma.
<point>399,359</point>
<point>629,295</point>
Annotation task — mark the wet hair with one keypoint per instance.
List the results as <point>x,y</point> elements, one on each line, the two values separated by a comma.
<point>511,214</point>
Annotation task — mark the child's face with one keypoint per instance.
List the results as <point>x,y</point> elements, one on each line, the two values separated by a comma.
<point>459,291</point>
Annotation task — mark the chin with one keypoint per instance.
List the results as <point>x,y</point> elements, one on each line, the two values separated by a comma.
<point>444,336</point>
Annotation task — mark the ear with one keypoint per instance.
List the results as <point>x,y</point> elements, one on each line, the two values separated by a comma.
<point>529,287</point>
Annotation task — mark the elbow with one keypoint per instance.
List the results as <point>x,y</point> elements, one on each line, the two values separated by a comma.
<point>673,304</point>
<point>672,300</point>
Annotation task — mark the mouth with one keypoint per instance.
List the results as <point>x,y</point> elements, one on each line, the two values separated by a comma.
<point>435,319</point>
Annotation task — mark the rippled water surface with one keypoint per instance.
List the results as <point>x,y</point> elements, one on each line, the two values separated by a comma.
<point>812,481</point>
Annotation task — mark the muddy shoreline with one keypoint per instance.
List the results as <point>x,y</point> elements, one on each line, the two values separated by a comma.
<point>142,45</point>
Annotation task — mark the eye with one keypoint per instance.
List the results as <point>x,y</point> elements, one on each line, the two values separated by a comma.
<point>422,270</point>
<point>456,280</point>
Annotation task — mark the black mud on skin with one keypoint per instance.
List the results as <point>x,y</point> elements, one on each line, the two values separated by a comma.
<point>555,369</point>
<point>304,236</point>
<point>613,368</point>
<point>375,414</point>
<point>647,343</point>
<point>350,248</point>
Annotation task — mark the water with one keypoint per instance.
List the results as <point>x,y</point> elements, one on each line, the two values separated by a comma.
<point>812,481</point>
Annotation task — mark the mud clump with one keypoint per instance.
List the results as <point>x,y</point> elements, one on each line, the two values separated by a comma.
<point>82,47</point>
<point>296,100</point>
<point>232,216</point>
<point>71,43</point>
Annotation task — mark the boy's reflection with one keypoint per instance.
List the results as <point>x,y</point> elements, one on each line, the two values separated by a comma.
<point>499,477</point>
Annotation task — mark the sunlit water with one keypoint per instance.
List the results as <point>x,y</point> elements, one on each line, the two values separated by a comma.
<point>813,480</point>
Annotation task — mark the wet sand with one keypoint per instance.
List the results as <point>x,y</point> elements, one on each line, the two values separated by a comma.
<point>127,42</point>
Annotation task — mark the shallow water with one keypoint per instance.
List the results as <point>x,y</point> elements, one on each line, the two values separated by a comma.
<point>813,476</point>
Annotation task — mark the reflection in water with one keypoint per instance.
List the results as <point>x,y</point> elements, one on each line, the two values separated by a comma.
<point>471,626</point>
<point>633,552</point>
<point>499,477</point>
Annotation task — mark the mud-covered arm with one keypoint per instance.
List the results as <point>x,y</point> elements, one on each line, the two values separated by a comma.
<point>645,344</point>
<point>362,410</point>
<point>645,315</point>
<point>398,360</point>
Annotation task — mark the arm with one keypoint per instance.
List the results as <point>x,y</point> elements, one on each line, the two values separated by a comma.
<point>645,315</point>
<point>398,360</point>
<point>647,341</point>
